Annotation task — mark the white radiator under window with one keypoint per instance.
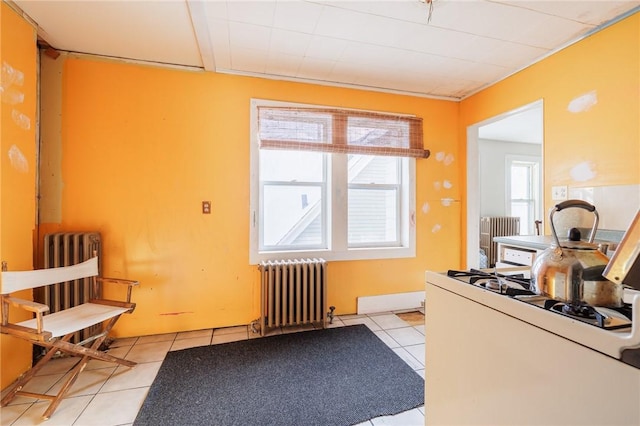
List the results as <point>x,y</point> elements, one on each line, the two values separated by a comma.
<point>293,292</point>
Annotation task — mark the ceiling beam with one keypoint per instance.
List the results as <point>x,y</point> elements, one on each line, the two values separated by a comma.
<point>198,15</point>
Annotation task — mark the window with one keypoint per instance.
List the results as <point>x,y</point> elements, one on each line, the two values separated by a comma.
<point>523,191</point>
<point>337,184</point>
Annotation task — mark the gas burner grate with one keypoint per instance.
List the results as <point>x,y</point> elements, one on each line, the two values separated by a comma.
<point>477,277</point>
<point>588,314</point>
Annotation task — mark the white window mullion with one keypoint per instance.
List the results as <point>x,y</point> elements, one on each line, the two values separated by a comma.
<point>339,205</point>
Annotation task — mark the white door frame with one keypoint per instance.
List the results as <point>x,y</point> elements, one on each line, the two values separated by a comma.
<point>473,182</point>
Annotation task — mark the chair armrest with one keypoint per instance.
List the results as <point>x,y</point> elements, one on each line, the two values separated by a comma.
<point>28,305</point>
<point>129,283</point>
<point>37,308</point>
<point>25,333</point>
<point>118,303</point>
<point>117,281</point>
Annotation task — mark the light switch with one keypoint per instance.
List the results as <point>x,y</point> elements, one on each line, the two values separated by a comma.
<point>206,207</point>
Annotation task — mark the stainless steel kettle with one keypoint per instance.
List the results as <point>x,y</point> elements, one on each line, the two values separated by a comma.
<point>571,271</point>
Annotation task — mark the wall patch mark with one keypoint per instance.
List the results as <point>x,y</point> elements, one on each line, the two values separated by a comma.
<point>9,76</point>
<point>583,102</point>
<point>21,119</point>
<point>18,160</point>
<point>9,79</point>
<point>583,172</point>
<point>447,159</point>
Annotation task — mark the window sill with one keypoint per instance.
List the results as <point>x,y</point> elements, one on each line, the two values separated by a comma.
<point>333,255</point>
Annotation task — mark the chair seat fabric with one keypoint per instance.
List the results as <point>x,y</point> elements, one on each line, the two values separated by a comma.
<point>76,318</point>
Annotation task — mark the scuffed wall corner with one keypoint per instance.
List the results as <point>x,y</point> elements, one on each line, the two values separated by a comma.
<point>50,144</point>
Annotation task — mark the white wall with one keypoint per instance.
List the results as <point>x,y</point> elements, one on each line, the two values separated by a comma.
<point>492,172</point>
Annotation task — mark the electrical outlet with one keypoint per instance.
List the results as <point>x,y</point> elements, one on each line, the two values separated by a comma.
<point>559,193</point>
<point>206,207</point>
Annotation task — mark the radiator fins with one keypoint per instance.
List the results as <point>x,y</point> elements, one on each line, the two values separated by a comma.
<point>293,292</point>
<point>491,227</point>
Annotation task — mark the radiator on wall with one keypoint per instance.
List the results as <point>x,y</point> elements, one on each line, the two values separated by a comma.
<point>65,249</point>
<point>293,292</point>
<point>496,227</point>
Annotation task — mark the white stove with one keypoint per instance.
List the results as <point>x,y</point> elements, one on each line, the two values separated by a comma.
<point>500,357</point>
<point>618,336</point>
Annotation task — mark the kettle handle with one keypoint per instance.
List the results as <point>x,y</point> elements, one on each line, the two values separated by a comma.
<point>579,204</point>
<point>575,203</point>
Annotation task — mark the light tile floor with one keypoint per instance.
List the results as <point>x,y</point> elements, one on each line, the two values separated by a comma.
<point>108,395</point>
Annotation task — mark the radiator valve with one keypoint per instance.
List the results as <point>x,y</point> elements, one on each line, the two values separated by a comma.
<point>254,326</point>
<point>330,314</point>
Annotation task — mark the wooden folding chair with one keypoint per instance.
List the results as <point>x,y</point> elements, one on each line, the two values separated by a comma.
<point>54,331</point>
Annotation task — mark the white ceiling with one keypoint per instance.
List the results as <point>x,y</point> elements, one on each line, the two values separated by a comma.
<point>378,45</point>
<point>384,45</point>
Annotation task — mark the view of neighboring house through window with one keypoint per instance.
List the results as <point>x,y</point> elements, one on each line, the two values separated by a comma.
<point>375,195</point>
<point>293,188</point>
<point>326,183</point>
<point>523,191</point>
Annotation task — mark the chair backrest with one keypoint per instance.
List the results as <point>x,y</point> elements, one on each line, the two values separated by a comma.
<point>21,280</point>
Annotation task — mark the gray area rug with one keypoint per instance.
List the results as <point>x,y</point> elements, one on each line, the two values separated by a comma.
<point>337,376</point>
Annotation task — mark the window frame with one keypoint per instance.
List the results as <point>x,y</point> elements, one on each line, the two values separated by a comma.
<point>337,207</point>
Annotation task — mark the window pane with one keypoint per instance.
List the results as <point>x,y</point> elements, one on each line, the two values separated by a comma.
<point>520,182</point>
<point>292,215</point>
<point>373,216</point>
<point>291,166</point>
<point>522,210</point>
<point>369,169</point>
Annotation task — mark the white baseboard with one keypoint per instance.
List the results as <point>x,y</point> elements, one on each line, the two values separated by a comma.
<point>390,302</point>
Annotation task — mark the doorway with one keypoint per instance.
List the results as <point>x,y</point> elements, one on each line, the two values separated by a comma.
<point>492,147</point>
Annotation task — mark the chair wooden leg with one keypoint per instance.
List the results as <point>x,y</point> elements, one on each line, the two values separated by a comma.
<point>85,353</point>
<point>28,375</point>
<point>75,372</point>
<point>57,399</point>
<point>90,352</point>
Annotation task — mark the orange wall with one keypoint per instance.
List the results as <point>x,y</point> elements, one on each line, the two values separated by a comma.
<point>597,145</point>
<point>17,169</point>
<point>141,148</point>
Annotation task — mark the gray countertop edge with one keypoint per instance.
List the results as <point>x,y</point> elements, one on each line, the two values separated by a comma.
<point>541,242</point>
